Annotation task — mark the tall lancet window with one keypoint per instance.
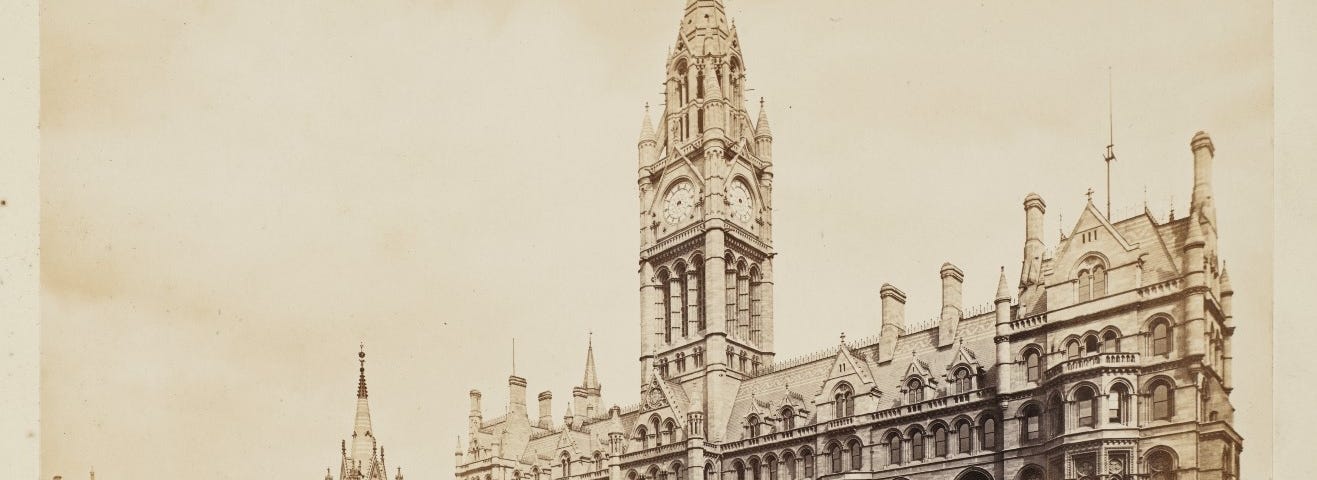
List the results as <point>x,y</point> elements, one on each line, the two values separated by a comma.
<point>667,305</point>
<point>729,281</point>
<point>756,306</point>
<point>685,296</point>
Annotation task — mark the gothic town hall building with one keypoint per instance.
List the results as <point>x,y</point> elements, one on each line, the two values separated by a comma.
<point>1108,359</point>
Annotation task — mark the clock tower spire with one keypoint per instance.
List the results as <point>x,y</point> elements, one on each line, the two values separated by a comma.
<point>705,263</point>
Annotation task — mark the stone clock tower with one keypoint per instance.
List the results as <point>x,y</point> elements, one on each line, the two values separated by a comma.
<point>706,257</point>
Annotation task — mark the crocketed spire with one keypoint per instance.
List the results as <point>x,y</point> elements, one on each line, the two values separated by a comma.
<point>591,379</point>
<point>647,128</point>
<point>761,125</point>
<point>1003,290</point>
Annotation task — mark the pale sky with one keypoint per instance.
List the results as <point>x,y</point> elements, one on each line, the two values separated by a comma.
<point>235,194</point>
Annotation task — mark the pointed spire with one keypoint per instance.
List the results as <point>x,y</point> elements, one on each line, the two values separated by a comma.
<point>1003,291</point>
<point>647,128</point>
<point>459,445</point>
<point>761,125</point>
<point>328,476</point>
<point>361,378</point>
<point>711,88</point>
<point>591,380</point>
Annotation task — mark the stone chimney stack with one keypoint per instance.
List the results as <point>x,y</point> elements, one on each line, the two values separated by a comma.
<point>474,416</point>
<point>546,409</point>
<point>1204,154</point>
<point>1031,271</point>
<point>952,279</point>
<point>516,395</point>
<point>893,314</point>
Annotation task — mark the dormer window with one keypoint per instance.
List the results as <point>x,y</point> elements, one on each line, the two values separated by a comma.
<point>914,391</point>
<point>843,401</point>
<point>788,418</point>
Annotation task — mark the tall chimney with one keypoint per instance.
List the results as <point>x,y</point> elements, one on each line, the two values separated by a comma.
<point>546,409</point>
<point>1031,271</point>
<point>893,305</point>
<point>516,395</point>
<point>474,416</point>
<point>952,278</point>
<point>1204,154</point>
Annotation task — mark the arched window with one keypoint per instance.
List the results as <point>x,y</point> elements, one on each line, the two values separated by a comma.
<point>1161,338</point>
<point>857,454</point>
<point>939,441</point>
<point>989,433</point>
<point>679,471</point>
<point>755,473</point>
<point>699,85</point>
<point>598,461</point>
<point>643,436</point>
<point>1085,285</point>
<point>1086,407</point>
<point>964,438</point>
<point>709,473</point>
<point>893,449</point>
<point>1032,368</point>
<point>1110,342</point>
<point>788,418</point>
<point>1031,473</point>
<point>789,464</point>
<point>772,468</point>
<point>914,391</point>
<point>740,470</point>
<point>1099,282</point>
<point>1071,350</point>
<point>917,445</point>
<point>669,431</point>
<point>1116,404</point>
<point>1163,406</point>
<point>964,382</point>
<point>843,401</point>
<point>669,285</point>
<point>658,432</point>
<point>807,457</point>
<point>834,454</point>
<point>752,422</point>
<point>1161,466</point>
<point>566,465</point>
<point>1056,415</point>
<point>1032,423</point>
<point>1091,345</point>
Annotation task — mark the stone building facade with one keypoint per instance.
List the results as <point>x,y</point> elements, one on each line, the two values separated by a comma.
<point>1108,359</point>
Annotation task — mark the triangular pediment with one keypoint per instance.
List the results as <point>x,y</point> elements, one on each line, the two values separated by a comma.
<point>846,363</point>
<point>917,368</point>
<point>964,356</point>
<point>1091,219</point>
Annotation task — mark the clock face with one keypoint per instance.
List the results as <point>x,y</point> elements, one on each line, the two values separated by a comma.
<point>741,204</point>
<point>679,203</point>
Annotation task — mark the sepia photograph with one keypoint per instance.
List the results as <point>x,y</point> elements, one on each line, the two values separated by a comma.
<point>654,240</point>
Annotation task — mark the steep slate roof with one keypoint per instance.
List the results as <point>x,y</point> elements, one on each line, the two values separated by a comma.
<point>806,379</point>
